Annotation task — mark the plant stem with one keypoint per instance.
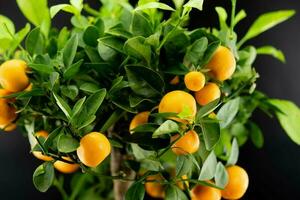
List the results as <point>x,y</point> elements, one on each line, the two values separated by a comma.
<point>232,17</point>
<point>90,10</point>
<point>112,120</point>
<point>59,186</point>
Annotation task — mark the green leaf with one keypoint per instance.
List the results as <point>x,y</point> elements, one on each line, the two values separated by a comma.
<point>265,22</point>
<point>272,51</point>
<point>222,17</point>
<point>211,134</point>
<point>289,118</point>
<point>256,135</point>
<point>152,5</point>
<point>7,27</point>
<point>198,4</point>
<point>67,144</point>
<point>173,192</point>
<point>18,38</point>
<point>209,167</point>
<point>183,165</point>
<point>78,4</point>
<point>69,51</point>
<point>37,13</point>
<point>144,81</point>
<point>91,35</point>
<point>221,176</point>
<point>35,42</point>
<point>228,111</point>
<point>141,25</point>
<point>87,121</point>
<point>48,69</point>
<point>70,91</point>
<point>137,48</point>
<point>207,109</point>
<point>72,70</point>
<point>94,101</point>
<point>78,106</point>
<point>234,153</point>
<point>241,15</point>
<point>167,127</point>
<point>65,7</point>
<point>139,153</point>
<point>43,177</point>
<point>63,105</point>
<point>89,87</point>
<point>135,192</point>
<point>195,52</point>
<point>51,139</point>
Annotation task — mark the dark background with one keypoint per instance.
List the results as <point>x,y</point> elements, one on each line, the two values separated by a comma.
<point>274,171</point>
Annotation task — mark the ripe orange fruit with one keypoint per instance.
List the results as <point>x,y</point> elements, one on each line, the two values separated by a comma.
<point>187,144</point>
<point>207,94</point>
<point>194,81</point>
<point>39,154</point>
<point>155,189</point>
<point>94,148</point>
<point>28,88</point>
<point>237,184</point>
<point>222,64</point>
<point>139,119</point>
<point>175,80</point>
<point>13,75</point>
<point>176,101</point>
<point>64,167</point>
<point>201,192</point>
<point>9,127</point>
<point>7,112</point>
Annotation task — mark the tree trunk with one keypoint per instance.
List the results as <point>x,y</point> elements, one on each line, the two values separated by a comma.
<point>120,186</point>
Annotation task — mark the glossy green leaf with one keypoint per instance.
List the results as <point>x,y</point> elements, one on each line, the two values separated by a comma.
<point>183,165</point>
<point>65,7</point>
<point>94,101</point>
<point>167,127</point>
<point>91,35</point>
<point>256,135</point>
<point>69,51</point>
<point>173,192</point>
<point>63,105</point>
<point>198,4</point>
<point>7,27</point>
<point>209,167</point>
<point>67,143</point>
<point>289,118</point>
<point>227,112</point>
<point>48,69</point>
<point>35,42</point>
<point>196,51</point>
<point>137,48</point>
<point>72,70</point>
<point>156,5</point>
<point>272,51</point>
<point>222,17</point>
<point>43,177</point>
<point>135,192</point>
<point>211,134</point>
<point>221,176</point>
<point>234,153</point>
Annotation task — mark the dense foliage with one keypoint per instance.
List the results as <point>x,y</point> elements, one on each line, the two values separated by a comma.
<point>121,60</point>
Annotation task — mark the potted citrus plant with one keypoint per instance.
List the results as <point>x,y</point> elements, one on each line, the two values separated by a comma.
<point>131,102</point>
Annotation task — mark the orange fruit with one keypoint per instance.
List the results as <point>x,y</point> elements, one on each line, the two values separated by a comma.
<point>9,127</point>
<point>13,75</point>
<point>187,144</point>
<point>222,64</point>
<point>237,183</point>
<point>194,81</point>
<point>29,88</point>
<point>64,167</point>
<point>175,80</point>
<point>39,154</point>
<point>201,192</point>
<point>94,148</point>
<point>139,119</point>
<point>7,113</point>
<point>155,189</point>
<point>176,101</point>
<point>207,94</point>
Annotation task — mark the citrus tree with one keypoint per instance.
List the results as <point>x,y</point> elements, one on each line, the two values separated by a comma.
<point>130,100</point>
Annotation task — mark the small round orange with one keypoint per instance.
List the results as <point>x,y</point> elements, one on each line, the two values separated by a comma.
<point>194,81</point>
<point>7,112</point>
<point>38,154</point>
<point>13,75</point>
<point>94,148</point>
<point>176,101</point>
<point>64,167</point>
<point>9,127</point>
<point>175,80</point>
<point>139,119</point>
<point>207,94</point>
<point>222,64</point>
<point>237,183</point>
<point>201,192</point>
<point>155,189</point>
<point>187,144</point>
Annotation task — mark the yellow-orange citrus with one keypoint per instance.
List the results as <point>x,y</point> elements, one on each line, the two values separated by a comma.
<point>187,144</point>
<point>13,75</point>
<point>94,148</point>
<point>207,94</point>
<point>176,101</point>
<point>155,189</point>
<point>201,192</point>
<point>8,128</point>
<point>29,88</point>
<point>7,112</point>
<point>222,64</point>
<point>175,80</point>
<point>38,154</point>
<point>64,167</point>
<point>237,183</point>
<point>194,81</point>
<point>139,119</point>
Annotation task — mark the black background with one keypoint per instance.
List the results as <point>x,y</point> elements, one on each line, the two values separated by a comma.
<point>274,171</point>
